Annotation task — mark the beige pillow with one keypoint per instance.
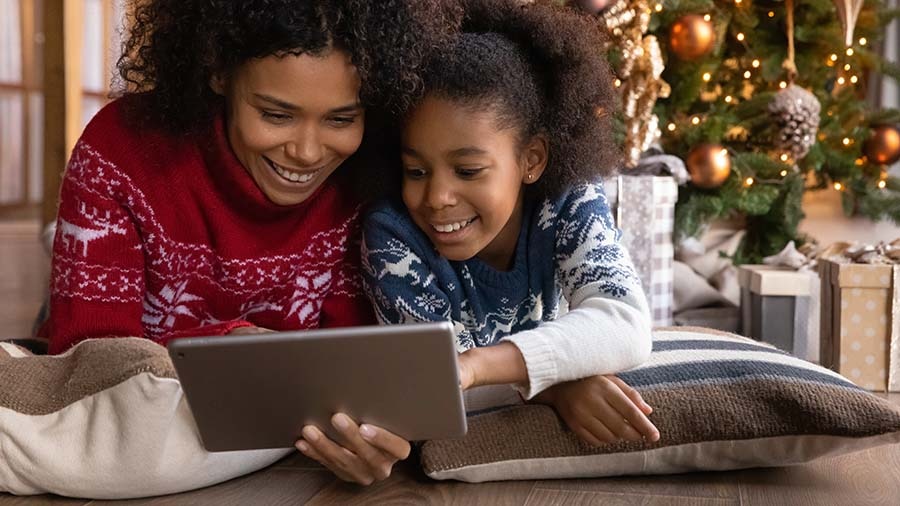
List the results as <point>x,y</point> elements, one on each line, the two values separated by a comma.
<point>106,420</point>
<point>720,402</point>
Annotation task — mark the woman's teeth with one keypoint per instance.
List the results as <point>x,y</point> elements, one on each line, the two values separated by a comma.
<point>453,227</point>
<point>293,176</point>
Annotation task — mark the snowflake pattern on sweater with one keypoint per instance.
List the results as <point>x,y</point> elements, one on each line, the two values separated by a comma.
<point>568,249</point>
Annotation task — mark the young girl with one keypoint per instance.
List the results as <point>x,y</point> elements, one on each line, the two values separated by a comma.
<point>214,197</point>
<point>503,221</point>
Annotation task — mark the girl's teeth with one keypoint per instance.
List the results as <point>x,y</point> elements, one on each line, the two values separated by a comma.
<point>452,227</point>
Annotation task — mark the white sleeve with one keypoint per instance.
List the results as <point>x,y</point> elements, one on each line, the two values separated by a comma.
<point>599,336</point>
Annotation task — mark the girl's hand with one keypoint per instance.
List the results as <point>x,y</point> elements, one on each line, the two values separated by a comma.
<point>602,409</point>
<point>466,370</point>
<point>369,456</point>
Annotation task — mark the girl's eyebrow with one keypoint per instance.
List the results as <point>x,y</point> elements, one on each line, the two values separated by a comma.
<point>293,107</point>
<point>468,150</point>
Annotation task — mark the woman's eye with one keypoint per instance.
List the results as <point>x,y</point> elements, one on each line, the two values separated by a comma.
<point>414,172</point>
<point>274,117</point>
<point>467,173</point>
<point>342,121</point>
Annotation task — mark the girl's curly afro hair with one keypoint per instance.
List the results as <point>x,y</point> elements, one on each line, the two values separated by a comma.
<point>175,47</point>
<point>541,69</point>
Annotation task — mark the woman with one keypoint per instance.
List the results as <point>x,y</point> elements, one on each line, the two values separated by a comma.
<point>214,197</point>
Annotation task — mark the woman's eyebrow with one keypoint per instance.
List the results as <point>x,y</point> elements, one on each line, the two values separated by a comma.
<point>276,101</point>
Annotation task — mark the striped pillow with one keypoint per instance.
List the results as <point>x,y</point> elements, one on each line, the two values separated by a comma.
<point>720,402</point>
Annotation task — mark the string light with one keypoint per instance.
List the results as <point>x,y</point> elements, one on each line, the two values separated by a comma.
<point>748,182</point>
<point>782,85</point>
<point>738,2</point>
<point>860,161</point>
<point>747,75</point>
<point>755,64</point>
<point>740,36</point>
<point>854,79</point>
<point>658,8</point>
<point>838,186</point>
<point>617,83</point>
<point>862,41</point>
<point>847,67</point>
<point>771,14</point>
<point>882,184</point>
<point>728,99</point>
<point>784,173</point>
<point>695,120</point>
<point>841,80</point>
<point>833,57</point>
<point>784,158</point>
<point>671,127</point>
<point>846,141</point>
<point>707,17</point>
<point>849,51</point>
<point>707,76</point>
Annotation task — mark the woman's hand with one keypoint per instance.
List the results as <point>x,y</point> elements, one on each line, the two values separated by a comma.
<point>369,455</point>
<point>602,409</point>
<point>250,329</point>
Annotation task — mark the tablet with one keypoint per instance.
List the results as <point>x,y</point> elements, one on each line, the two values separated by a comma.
<point>258,391</point>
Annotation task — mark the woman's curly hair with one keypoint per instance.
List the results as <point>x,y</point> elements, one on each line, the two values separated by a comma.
<point>541,69</point>
<point>175,47</point>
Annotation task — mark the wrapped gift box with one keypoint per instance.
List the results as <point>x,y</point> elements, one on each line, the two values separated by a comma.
<point>861,323</point>
<point>644,209</point>
<point>779,305</point>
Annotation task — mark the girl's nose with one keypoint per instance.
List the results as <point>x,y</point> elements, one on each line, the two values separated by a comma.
<point>440,193</point>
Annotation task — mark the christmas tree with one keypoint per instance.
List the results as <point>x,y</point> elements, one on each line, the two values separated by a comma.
<point>764,100</point>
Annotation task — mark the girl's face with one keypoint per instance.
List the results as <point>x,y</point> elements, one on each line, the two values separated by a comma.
<point>292,120</point>
<point>463,180</point>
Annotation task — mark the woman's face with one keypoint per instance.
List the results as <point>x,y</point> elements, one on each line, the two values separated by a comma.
<point>292,120</point>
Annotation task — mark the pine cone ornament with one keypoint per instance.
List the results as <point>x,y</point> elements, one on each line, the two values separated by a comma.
<point>796,112</point>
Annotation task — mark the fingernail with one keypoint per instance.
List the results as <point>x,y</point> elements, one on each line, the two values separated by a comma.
<point>340,421</point>
<point>311,433</point>
<point>366,431</point>
<point>302,446</point>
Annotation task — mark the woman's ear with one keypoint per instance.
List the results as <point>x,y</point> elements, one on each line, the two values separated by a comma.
<point>535,157</point>
<point>217,83</point>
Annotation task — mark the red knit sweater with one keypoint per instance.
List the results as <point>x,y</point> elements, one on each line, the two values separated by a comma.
<point>168,237</point>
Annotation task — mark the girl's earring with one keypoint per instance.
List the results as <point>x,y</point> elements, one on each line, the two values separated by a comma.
<point>530,177</point>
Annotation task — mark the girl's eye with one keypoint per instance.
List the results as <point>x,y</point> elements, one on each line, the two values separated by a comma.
<point>469,173</point>
<point>274,117</point>
<point>414,173</point>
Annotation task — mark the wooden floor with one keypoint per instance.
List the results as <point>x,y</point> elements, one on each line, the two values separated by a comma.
<point>866,478</point>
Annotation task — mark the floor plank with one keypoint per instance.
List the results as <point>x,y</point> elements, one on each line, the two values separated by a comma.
<point>409,486</point>
<point>692,485</point>
<point>40,500</point>
<point>273,486</point>
<point>870,477</point>
<point>551,497</point>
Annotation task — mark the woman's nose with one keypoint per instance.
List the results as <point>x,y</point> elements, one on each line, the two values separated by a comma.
<point>306,147</point>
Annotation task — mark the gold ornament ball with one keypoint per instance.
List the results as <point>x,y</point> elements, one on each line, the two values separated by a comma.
<point>709,165</point>
<point>691,37</point>
<point>884,145</point>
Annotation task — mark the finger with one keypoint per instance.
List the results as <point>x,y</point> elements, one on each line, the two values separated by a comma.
<point>581,432</point>
<point>386,441</point>
<point>638,426</point>
<point>336,457</point>
<point>632,394</point>
<point>597,428</point>
<point>379,462</point>
<point>304,447</point>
